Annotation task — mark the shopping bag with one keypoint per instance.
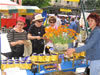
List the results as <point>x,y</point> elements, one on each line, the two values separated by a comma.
<point>27,48</point>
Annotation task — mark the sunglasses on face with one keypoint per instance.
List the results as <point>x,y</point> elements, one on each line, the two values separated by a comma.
<point>52,22</point>
<point>20,24</point>
<point>40,21</point>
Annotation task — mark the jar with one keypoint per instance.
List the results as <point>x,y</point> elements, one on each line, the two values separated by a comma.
<point>22,64</point>
<point>34,57</point>
<point>48,58</point>
<point>54,57</point>
<point>28,64</point>
<point>3,64</point>
<point>41,58</point>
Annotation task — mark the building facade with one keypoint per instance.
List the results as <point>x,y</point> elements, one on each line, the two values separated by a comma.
<point>64,3</point>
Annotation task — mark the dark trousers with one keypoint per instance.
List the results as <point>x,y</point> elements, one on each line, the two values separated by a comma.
<point>8,55</point>
<point>38,49</point>
<point>17,54</point>
<point>18,51</point>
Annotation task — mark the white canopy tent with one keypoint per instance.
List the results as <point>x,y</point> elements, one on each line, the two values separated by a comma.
<point>7,2</point>
<point>20,9</point>
<point>11,7</point>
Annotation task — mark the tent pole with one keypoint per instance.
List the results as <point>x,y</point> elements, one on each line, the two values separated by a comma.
<point>82,8</point>
<point>0,21</point>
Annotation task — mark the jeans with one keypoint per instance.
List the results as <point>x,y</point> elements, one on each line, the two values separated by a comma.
<point>95,67</point>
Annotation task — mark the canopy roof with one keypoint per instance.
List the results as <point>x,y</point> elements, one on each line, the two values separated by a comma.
<point>7,2</point>
<point>20,9</point>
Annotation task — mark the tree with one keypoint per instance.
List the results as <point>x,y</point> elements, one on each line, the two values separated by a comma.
<point>39,3</point>
<point>98,4</point>
<point>90,4</point>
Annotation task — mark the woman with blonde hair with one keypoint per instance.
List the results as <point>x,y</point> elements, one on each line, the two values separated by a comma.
<point>52,21</point>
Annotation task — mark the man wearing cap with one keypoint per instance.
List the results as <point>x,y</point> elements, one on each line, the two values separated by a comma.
<point>16,38</point>
<point>35,34</point>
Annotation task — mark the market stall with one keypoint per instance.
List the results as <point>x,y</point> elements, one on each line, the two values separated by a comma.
<point>45,67</point>
<point>41,64</point>
<point>21,10</point>
<point>7,2</point>
<point>15,9</point>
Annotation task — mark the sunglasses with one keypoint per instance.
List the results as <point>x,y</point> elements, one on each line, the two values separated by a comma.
<point>52,22</point>
<point>40,21</point>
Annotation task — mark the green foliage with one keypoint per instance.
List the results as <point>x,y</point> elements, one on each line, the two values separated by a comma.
<point>61,39</point>
<point>98,4</point>
<point>90,4</point>
<point>39,3</point>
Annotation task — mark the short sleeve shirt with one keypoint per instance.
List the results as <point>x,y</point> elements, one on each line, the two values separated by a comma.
<point>15,36</point>
<point>37,31</point>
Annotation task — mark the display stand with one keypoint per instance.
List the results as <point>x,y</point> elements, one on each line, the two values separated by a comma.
<point>44,63</point>
<point>65,65</point>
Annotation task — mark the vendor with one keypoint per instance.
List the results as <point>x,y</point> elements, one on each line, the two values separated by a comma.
<point>92,46</point>
<point>16,38</point>
<point>35,34</point>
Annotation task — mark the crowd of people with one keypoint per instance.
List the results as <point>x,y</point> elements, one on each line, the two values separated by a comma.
<point>18,35</point>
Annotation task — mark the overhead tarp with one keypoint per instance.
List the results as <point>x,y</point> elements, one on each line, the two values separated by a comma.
<point>20,9</point>
<point>7,2</point>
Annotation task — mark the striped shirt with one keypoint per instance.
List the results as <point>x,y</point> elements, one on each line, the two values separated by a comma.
<point>15,36</point>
